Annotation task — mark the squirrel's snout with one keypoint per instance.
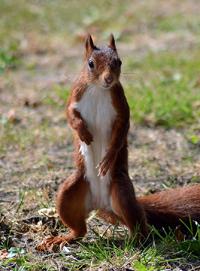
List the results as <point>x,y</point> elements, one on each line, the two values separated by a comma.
<point>108,79</point>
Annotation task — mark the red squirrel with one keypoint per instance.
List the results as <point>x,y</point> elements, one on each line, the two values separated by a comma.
<point>98,113</point>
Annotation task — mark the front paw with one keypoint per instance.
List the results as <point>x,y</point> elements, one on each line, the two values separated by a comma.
<point>86,136</point>
<point>106,164</point>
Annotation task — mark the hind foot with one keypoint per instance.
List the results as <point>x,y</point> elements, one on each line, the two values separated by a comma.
<point>52,243</point>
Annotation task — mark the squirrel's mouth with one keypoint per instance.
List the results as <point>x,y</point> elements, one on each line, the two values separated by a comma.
<point>106,85</point>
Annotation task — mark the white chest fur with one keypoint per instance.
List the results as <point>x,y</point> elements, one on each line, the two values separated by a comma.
<point>97,110</point>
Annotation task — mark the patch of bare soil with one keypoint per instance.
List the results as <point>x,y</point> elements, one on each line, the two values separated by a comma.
<point>160,158</point>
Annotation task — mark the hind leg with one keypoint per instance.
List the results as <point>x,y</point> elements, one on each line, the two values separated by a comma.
<point>108,216</point>
<point>71,207</point>
<point>125,205</point>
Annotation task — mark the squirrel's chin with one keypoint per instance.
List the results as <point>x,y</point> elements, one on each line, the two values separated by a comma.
<point>106,86</point>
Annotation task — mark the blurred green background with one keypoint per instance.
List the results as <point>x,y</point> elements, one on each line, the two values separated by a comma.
<point>158,42</point>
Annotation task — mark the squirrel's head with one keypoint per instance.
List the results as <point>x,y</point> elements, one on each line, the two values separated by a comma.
<point>103,64</point>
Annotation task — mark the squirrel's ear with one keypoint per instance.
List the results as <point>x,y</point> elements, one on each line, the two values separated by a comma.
<point>112,42</point>
<point>89,45</point>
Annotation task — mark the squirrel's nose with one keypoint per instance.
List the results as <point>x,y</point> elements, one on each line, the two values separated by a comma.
<point>108,79</point>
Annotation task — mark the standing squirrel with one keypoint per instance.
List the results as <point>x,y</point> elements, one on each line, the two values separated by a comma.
<point>98,113</point>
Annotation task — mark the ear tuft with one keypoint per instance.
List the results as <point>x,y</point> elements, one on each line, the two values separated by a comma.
<point>112,42</point>
<point>89,45</point>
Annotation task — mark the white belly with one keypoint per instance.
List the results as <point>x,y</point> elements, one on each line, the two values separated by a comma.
<point>97,110</point>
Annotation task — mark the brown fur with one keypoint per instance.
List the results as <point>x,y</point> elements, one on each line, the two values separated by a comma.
<point>171,206</point>
<point>158,209</point>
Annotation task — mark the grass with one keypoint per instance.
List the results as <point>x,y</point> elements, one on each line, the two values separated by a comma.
<point>51,19</point>
<point>158,252</point>
<point>8,59</point>
<point>164,251</point>
<point>20,138</point>
<point>19,262</point>
<point>164,89</point>
<point>178,22</point>
<point>41,19</point>
<point>162,85</point>
<point>57,97</point>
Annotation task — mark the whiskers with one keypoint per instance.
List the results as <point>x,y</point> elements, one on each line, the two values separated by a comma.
<point>127,76</point>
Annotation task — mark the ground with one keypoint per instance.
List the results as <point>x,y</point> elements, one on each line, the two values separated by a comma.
<point>42,46</point>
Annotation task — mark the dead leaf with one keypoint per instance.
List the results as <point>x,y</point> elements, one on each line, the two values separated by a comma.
<point>179,235</point>
<point>49,212</point>
<point>3,254</point>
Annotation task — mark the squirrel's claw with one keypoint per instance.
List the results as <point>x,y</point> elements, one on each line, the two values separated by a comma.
<point>51,244</point>
<point>104,166</point>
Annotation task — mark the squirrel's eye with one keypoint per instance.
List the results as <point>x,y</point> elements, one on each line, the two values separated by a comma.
<point>91,64</point>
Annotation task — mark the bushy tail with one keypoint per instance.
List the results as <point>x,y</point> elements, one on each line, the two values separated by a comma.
<point>167,208</point>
